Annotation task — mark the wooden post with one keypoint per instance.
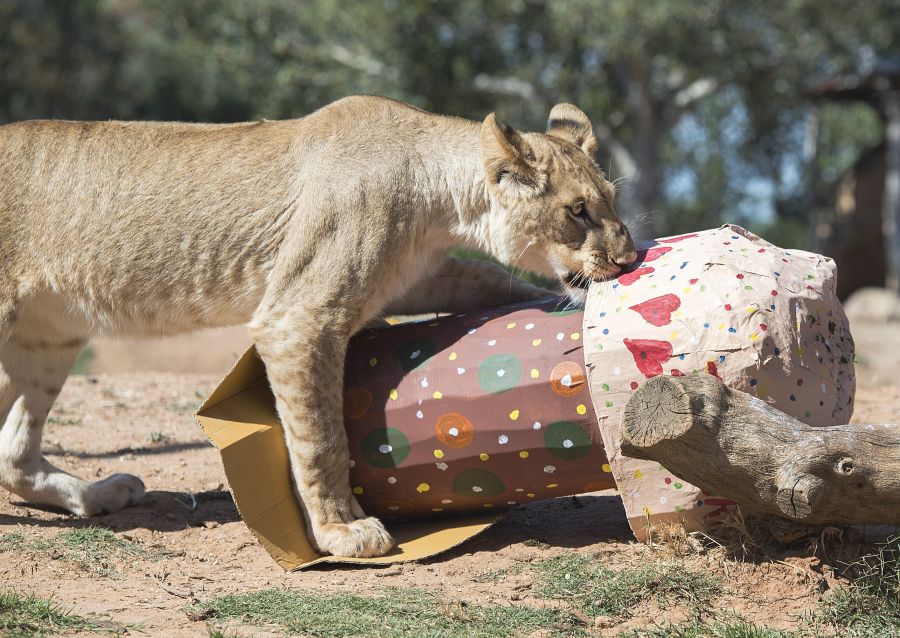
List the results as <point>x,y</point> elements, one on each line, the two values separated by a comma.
<point>891,210</point>
<point>734,445</point>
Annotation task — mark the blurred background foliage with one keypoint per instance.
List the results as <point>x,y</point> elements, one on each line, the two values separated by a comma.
<point>702,106</point>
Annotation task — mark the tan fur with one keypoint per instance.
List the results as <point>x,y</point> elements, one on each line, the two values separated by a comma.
<point>303,229</point>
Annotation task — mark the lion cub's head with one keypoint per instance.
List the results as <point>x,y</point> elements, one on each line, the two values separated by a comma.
<point>556,205</point>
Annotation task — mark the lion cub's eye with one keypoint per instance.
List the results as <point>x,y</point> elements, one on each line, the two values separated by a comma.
<point>578,209</point>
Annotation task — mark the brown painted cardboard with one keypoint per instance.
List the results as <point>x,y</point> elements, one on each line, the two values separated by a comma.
<point>240,419</point>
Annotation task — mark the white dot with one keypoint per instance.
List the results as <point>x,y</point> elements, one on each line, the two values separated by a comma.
<point>424,383</point>
<point>537,425</point>
<point>384,448</point>
<point>492,342</point>
<point>566,380</point>
<point>419,414</point>
<point>663,500</point>
<point>519,489</point>
<point>471,331</point>
<point>502,439</point>
<point>568,443</point>
<point>824,389</point>
<point>393,508</point>
<point>549,469</point>
<point>415,354</point>
<point>392,480</point>
<point>453,431</point>
<point>529,326</point>
<point>617,371</point>
<point>441,466</point>
<point>510,502</point>
<point>446,501</point>
<point>475,488</point>
<point>560,336</point>
<point>501,372</point>
<point>352,463</point>
<point>485,318</point>
<point>460,371</point>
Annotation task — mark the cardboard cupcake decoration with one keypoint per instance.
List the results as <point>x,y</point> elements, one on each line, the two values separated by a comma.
<point>454,419</point>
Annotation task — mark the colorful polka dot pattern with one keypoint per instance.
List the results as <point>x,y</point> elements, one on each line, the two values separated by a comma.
<point>460,413</point>
<point>764,320</point>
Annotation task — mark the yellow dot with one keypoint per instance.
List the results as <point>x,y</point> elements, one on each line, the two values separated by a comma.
<point>523,454</point>
<point>438,454</point>
<point>687,291</point>
<point>423,487</point>
<point>511,325</point>
<point>647,511</point>
<point>606,468</point>
<point>357,490</point>
<point>575,336</point>
<point>437,394</point>
<point>483,456</point>
<point>721,326</point>
<point>437,509</point>
<point>393,394</point>
<point>623,297</point>
<point>534,373</point>
<point>552,485</point>
<point>373,361</point>
<point>754,336</point>
<point>487,505</point>
<point>638,474</point>
<point>514,415</point>
<point>751,309</point>
<point>452,356</point>
<point>580,409</point>
<point>535,342</point>
<point>530,495</point>
<point>673,336</point>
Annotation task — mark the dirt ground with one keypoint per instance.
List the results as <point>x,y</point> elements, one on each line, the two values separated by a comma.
<point>141,422</point>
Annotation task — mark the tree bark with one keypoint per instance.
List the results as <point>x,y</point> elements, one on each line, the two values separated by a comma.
<point>734,445</point>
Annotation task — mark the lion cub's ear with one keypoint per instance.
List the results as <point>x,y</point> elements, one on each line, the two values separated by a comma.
<point>570,123</point>
<point>508,159</point>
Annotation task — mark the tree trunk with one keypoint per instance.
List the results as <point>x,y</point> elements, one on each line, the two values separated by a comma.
<point>734,445</point>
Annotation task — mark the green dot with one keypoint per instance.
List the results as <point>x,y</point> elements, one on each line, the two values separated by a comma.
<point>563,313</point>
<point>605,387</point>
<point>678,486</point>
<point>411,354</point>
<point>478,483</point>
<point>567,440</point>
<point>385,447</point>
<point>609,404</point>
<point>499,373</point>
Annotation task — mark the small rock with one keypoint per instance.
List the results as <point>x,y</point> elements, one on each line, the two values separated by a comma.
<point>211,524</point>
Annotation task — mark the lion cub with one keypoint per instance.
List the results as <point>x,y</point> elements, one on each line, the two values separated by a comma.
<point>302,229</point>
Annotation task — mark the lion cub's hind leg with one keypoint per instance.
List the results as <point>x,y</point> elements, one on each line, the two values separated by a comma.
<point>36,354</point>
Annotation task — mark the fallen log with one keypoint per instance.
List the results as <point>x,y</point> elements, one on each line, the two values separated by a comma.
<point>733,445</point>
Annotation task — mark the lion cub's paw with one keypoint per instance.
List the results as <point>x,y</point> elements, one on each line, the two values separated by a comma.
<point>111,494</point>
<point>363,538</point>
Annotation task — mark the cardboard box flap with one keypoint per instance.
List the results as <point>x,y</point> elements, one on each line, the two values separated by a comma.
<point>240,419</point>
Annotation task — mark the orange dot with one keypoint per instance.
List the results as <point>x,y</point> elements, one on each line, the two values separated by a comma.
<point>454,430</point>
<point>567,378</point>
<point>356,402</point>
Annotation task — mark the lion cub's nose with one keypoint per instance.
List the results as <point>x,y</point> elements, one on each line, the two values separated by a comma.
<point>624,261</point>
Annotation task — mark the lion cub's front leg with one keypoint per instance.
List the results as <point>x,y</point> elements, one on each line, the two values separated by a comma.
<point>303,346</point>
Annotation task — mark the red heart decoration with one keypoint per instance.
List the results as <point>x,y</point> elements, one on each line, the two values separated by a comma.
<point>652,254</point>
<point>672,240</point>
<point>658,311</point>
<point>649,354</point>
<point>628,278</point>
